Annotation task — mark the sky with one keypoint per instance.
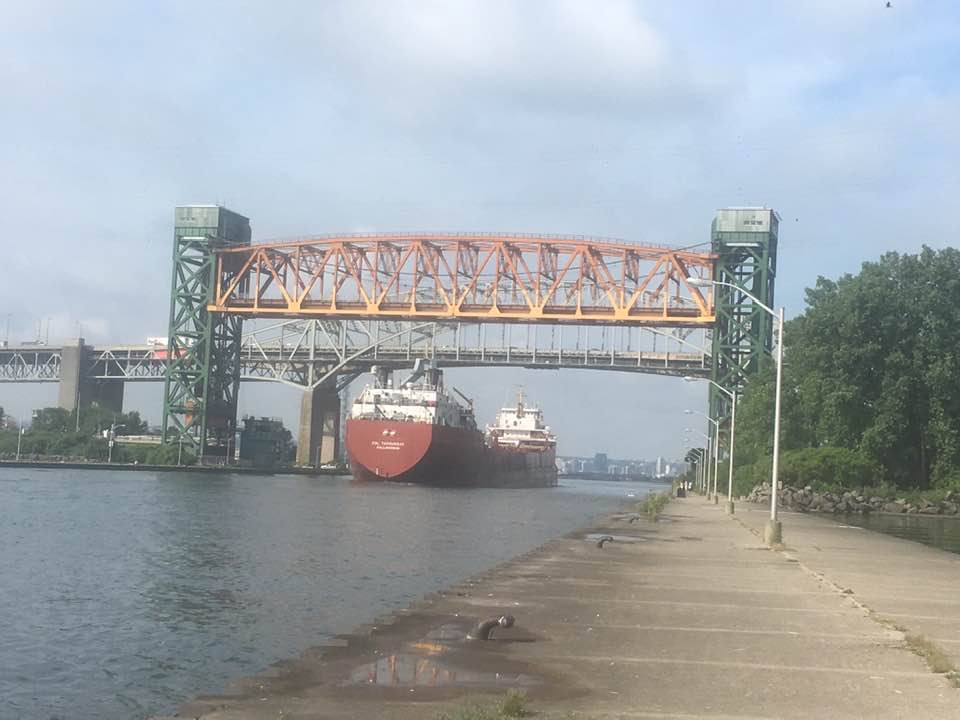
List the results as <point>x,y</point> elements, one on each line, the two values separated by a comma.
<point>614,118</point>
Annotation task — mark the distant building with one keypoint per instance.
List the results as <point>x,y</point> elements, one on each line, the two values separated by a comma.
<point>600,462</point>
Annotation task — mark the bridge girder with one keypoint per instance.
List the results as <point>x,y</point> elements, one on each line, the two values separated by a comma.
<point>301,353</point>
<point>470,277</point>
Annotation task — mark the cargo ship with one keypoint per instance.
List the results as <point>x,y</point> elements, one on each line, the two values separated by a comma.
<point>419,433</point>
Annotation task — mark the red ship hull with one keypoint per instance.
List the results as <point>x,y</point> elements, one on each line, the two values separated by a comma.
<point>427,454</point>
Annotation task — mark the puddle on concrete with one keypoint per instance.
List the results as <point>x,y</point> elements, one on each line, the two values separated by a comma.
<point>419,655</point>
<point>407,670</point>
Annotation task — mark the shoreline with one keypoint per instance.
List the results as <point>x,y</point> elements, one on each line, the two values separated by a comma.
<point>402,625</point>
<point>626,628</point>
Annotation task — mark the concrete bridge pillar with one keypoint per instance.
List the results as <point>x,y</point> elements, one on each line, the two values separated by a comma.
<point>319,440</point>
<point>77,388</point>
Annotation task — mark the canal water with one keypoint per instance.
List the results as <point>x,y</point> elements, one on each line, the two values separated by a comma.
<point>123,594</point>
<point>939,531</point>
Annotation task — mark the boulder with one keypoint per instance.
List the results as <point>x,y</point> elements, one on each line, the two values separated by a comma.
<point>894,507</point>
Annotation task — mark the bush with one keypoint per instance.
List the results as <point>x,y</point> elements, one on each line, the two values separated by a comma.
<point>746,477</point>
<point>168,454</point>
<point>828,467</point>
<point>950,481</point>
<point>513,705</point>
<point>822,468</point>
<point>653,504</point>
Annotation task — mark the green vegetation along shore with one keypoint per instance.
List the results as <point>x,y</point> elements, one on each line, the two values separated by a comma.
<point>870,378</point>
<point>55,433</point>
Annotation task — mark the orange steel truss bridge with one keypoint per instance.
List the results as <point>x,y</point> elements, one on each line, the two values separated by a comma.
<point>465,276</point>
<point>221,279</point>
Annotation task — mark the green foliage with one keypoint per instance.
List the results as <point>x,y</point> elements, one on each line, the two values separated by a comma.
<point>653,504</point>
<point>168,454</point>
<point>93,419</point>
<point>871,366</point>
<point>512,705</point>
<point>823,468</point>
<point>52,434</point>
<point>52,419</point>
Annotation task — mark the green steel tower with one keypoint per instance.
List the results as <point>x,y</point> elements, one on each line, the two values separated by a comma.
<point>745,243</point>
<point>203,370</point>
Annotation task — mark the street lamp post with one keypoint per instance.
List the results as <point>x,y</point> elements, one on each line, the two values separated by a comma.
<point>20,430</point>
<point>113,433</point>
<point>773,532</point>
<point>733,427</point>
<point>716,449</point>
<point>700,471</point>
<point>706,457</point>
<point>696,453</point>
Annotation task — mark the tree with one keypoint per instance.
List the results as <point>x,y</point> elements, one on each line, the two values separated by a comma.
<point>872,365</point>
<point>52,419</point>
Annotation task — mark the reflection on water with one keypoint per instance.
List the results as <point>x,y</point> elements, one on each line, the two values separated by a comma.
<point>123,594</point>
<point>938,531</point>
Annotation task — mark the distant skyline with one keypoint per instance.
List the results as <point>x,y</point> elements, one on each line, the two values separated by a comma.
<point>613,118</point>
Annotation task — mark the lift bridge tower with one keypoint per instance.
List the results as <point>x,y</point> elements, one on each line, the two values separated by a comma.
<point>203,371</point>
<point>744,240</point>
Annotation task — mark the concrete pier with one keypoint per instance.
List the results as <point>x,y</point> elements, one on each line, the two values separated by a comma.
<point>690,617</point>
<point>319,438</point>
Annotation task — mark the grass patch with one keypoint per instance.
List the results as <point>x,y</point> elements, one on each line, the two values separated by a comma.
<point>512,705</point>
<point>936,659</point>
<point>653,504</point>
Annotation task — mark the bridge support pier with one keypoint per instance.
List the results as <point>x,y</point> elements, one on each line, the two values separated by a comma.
<point>76,388</point>
<point>107,394</point>
<point>319,439</point>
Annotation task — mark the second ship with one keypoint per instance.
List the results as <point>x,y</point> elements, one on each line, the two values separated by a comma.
<point>420,433</point>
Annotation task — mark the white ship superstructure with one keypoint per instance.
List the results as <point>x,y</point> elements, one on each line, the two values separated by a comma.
<point>520,428</point>
<point>425,401</point>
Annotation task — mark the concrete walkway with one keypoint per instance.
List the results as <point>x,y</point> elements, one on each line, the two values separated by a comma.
<point>691,617</point>
<point>907,584</point>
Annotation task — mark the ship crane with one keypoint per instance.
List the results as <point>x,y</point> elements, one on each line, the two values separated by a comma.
<point>467,400</point>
